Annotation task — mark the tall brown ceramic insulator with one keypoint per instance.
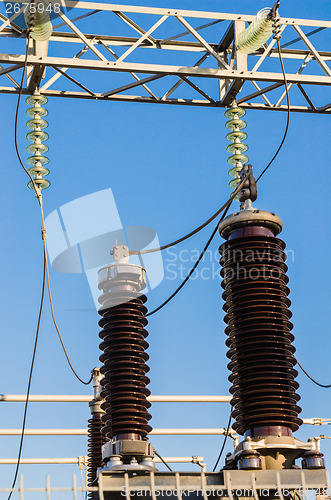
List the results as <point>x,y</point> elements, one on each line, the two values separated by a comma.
<point>259,329</point>
<point>124,357</point>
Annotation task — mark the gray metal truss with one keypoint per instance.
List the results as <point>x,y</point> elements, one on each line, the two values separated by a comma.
<point>218,74</point>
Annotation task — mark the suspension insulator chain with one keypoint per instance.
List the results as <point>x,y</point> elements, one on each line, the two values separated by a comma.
<point>37,19</point>
<point>257,33</point>
<point>124,364</point>
<point>37,136</point>
<point>237,148</point>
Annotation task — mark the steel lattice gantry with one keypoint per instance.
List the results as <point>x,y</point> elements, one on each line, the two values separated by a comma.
<point>157,35</point>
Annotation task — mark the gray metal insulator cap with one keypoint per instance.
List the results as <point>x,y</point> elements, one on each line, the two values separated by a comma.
<point>250,218</point>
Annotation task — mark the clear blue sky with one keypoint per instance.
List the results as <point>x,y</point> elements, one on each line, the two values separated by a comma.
<point>167,168</point>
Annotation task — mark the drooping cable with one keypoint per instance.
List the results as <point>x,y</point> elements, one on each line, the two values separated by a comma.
<point>288,115</point>
<point>195,231</point>
<point>29,381</point>
<point>163,461</point>
<point>39,198</point>
<point>38,194</point>
<point>228,203</point>
<point>325,386</point>
<point>56,326</point>
<point>42,290</point>
<point>224,443</point>
<point>193,268</point>
<point>198,229</point>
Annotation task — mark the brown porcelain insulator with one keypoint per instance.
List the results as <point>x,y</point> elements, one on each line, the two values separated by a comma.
<point>259,332</point>
<point>95,441</point>
<point>124,366</point>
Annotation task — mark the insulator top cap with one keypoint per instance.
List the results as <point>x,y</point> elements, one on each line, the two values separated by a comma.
<point>115,274</point>
<point>250,218</point>
<point>235,110</point>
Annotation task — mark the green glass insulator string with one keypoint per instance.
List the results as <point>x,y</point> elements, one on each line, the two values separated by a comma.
<point>37,136</point>
<point>237,148</point>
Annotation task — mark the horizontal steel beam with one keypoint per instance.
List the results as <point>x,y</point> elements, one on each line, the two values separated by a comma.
<point>83,432</point>
<point>185,46</point>
<point>79,460</point>
<point>179,102</point>
<point>178,12</point>
<point>58,398</point>
<point>197,72</point>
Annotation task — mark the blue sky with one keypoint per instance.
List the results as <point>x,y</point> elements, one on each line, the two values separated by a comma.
<point>166,166</point>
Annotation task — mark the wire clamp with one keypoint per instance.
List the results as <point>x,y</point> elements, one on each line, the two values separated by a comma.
<point>43,233</point>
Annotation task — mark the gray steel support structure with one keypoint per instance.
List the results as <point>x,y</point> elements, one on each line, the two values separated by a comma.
<point>217,75</point>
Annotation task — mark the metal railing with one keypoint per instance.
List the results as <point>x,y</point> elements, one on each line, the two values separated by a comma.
<point>47,490</point>
<point>81,461</point>
<point>57,398</point>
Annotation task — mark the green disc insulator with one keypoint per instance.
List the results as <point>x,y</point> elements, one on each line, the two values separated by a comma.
<point>235,123</point>
<point>234,172</point>
<point>42,26</point>
<point>231,112</point>
<point>234,159</point>
<point>37,134</point>
<point>39,170</point>
<point>238,134</point>
<point>237,146</point>
<point>40,183</point>
<point>32,160</point>
<point>36,110</point>
<point>36,122</point>
<point>42,148</point>
<point>234,183</point>
<point>32,99</point>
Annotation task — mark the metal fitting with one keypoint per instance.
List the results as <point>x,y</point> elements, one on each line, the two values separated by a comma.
<point>126,454</point>
<point>250,218</point>
<point>121,272</point>
<point>313,460</point>
<point>249,460</point>
<point>127,447</point>
<point>95,403</point>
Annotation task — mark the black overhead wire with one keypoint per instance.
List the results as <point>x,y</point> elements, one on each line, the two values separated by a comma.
<point>224,442</point>
<point>30,379</point>
<point>193,268</point>
<point>325,386</point>
<point>226,206</point>
<point>262,173</point>
<point>41,298</point>
<point>45,274</point>
<point>207,222</point>
<point>198,229</point>
<point>39,198</point>
<point>288,114</point>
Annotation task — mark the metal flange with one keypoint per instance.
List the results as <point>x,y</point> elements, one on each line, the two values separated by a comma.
<point>250,218</point>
